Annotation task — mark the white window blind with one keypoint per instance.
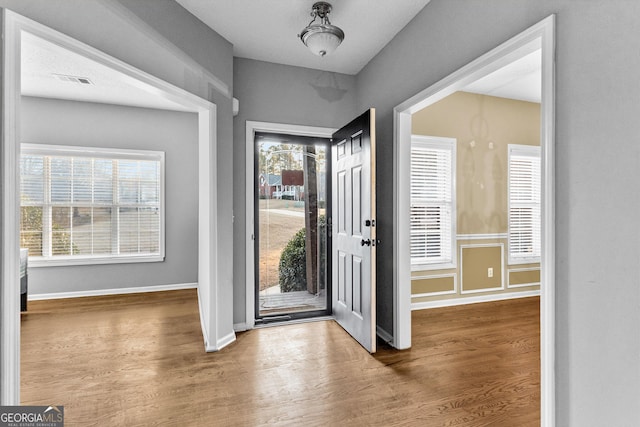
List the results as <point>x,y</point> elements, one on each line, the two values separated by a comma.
<point>432,201</point>
<point>524,204</point>
<point>79,205</point>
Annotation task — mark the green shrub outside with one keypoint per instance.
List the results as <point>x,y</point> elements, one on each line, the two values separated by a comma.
<point>293,264</point>
<point>293,261</point>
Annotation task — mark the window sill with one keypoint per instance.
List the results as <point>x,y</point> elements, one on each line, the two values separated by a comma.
<point>67,262</point>
<point>520,261</point>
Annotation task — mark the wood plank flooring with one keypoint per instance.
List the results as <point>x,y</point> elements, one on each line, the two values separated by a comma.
<point>139,360</point>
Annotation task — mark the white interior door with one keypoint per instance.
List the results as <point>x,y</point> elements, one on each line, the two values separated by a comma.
<point>354,232</point>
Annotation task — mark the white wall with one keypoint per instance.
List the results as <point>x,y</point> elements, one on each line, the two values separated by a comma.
<point>57,122</point>
<point>598,163</point>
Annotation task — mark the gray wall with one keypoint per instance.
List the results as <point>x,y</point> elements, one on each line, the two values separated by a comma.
<point>163,39</point>
<point>597,137</point>
<point>57,122</point>
<point>598,297</point>
<point>280,94</point>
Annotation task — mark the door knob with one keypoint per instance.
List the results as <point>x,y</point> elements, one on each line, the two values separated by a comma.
<point>365,242</point>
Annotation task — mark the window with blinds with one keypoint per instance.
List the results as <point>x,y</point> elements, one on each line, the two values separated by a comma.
<point>432,202</point>
<point>524,204</point>
<point>88,205</point>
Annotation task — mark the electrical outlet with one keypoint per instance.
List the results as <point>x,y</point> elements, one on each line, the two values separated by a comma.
<point>490,272</point>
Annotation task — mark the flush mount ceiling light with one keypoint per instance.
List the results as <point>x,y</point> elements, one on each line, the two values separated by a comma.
<point>321,38</point>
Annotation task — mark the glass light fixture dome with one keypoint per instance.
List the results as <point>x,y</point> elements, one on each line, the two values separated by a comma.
<point>321,38</point>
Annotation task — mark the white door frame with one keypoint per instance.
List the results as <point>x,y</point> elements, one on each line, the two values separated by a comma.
<point>13,25</point>
<point>540,36</point>
<point>251,128</point>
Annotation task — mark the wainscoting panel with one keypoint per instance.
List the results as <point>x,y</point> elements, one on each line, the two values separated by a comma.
<point>433,285</point>
<point>476,260</point>
<point>469,281</point>
<point>521,277</point>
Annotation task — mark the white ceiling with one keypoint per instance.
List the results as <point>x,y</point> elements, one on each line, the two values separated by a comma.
<point>42,62</point>
<point>521,80</point>
<point>268,30</point>
<point>270,34</point>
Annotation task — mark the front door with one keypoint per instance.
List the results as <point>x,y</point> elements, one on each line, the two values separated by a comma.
<point>354,232</point>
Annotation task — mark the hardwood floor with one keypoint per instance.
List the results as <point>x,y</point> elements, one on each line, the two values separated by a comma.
<point>139,360</point>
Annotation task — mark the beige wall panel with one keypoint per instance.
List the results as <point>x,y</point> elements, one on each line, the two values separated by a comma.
<point>432,285</point>
<point>483,126</point>
<point>475,261</point>
<point>524,277</point>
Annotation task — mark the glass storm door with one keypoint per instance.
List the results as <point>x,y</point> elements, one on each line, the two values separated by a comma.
<point>292,197</point>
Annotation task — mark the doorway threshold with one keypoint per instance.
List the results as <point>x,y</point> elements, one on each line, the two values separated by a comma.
<point>276,321</point>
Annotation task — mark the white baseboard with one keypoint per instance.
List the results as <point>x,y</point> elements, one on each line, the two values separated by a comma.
<point>240,327</point>
<point>115,291</point>
<point>203,325</point>
<point>223,342</point>
<point>472,300</point>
